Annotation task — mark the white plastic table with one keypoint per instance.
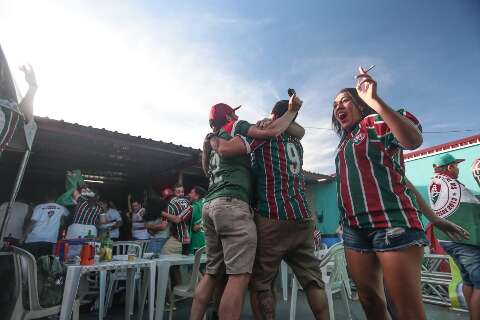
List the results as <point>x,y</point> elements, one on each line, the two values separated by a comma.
<point>74,273</point>
<point>164,262</point>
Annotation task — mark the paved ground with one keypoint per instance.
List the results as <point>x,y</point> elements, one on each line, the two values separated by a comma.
<point>283,311</point>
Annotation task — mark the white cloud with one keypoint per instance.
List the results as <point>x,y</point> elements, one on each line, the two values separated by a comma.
<point>110,65</point>
<point>128,74</point>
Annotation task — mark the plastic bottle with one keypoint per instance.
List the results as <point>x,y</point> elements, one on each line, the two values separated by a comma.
<point>106,248</point>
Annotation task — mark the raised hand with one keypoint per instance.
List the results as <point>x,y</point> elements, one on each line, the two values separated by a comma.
<point>294,103</point>
<point>29,75</point>
<point>366,87</point>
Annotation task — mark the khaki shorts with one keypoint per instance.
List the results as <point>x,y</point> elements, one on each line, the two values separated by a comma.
<point>291,241</point>
<point>230,236</point>
<point>172,246</point>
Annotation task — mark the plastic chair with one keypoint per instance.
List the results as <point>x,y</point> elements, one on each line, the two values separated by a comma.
<point>334,273</point>
<point>284,279</point>
<point>122,248</point>
<point>187,290</point>
<point>144,244</point>
<point>26,273</point>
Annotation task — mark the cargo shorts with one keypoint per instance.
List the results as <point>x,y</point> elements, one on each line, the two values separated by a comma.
<point>230,236</point>
<point>287,240</point>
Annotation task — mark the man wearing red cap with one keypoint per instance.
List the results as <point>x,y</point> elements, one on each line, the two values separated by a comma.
<point>284,223</point>
<point>230,232</point>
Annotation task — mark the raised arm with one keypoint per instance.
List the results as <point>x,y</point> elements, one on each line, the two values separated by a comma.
<point>183,216</point>
<point>155,227</point>
<point>278,126</point>
<point>229,148</point>
<point>402,128</point>
<point>26,105</point>
<point>296,130</point>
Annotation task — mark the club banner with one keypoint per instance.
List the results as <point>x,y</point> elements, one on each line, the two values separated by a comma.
<point>450,200</point>
<point>455,287</point>
<point>73,179</point>
<point>9,115</point>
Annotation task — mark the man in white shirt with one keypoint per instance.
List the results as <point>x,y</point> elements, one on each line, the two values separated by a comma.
<point>41,232</point>
<point>112,220</point>
<point>139,232</point>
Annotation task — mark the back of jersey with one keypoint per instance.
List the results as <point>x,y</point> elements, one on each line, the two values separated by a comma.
<point>229,176</point>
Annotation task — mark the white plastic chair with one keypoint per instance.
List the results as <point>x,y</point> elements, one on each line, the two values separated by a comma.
<point>334,273</point>
<point>144,244</point>
<point>122,248</point>
<point>284,279</point>
<point>26,273</point>
<point>187,290</point>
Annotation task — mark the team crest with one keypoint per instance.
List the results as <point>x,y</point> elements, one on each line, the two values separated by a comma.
<point>435,189</point>
<point>445,195</point>
<point>476,170</point>
<point>359,138</point>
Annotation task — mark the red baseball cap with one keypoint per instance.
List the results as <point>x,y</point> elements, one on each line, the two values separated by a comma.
<point>167,192</point>
<point>218,114</point>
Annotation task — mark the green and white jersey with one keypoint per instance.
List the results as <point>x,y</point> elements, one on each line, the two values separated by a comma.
<point>230,176</point>
<point>451,200</point>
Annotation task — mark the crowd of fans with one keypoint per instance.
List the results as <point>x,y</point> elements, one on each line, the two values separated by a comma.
<point>171,223</point>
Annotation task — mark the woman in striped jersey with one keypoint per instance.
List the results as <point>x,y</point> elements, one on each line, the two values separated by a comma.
<point>380,208</point>
<point>383,235</point>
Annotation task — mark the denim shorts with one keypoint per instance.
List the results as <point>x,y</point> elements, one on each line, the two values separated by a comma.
<point>378,240</point>
<point>467,258</point>
<point>156,245</point>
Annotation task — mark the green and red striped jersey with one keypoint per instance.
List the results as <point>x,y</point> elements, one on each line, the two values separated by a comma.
<point>9,119</point>
<point>280,184</point>
<point>87,212</point>
<point>180,206</point>
<point>371,183</point>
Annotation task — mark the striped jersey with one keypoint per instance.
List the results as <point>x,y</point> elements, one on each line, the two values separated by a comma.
<point>87,212</point>
<point>230,176</point>
<point>371,179</point>
<point>280,184</point>
<point>180,206</point>
<point>9,119</point>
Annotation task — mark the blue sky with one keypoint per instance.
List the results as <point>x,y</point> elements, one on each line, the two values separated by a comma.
<point>153,68</point>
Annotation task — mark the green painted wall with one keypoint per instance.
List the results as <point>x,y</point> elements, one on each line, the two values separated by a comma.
<point>326,207</point>
<point>420,171</point>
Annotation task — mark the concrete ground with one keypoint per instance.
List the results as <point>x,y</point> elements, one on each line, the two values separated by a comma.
<point>283,311</point>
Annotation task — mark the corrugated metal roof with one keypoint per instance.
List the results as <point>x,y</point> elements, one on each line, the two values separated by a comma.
<point>61,146</point>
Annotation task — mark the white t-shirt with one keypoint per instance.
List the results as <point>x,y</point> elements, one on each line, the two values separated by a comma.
<point>112,216</point>
<point>139,232</point>
<point>46,218</point>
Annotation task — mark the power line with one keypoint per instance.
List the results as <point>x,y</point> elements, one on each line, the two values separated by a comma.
<point>445,131</point>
